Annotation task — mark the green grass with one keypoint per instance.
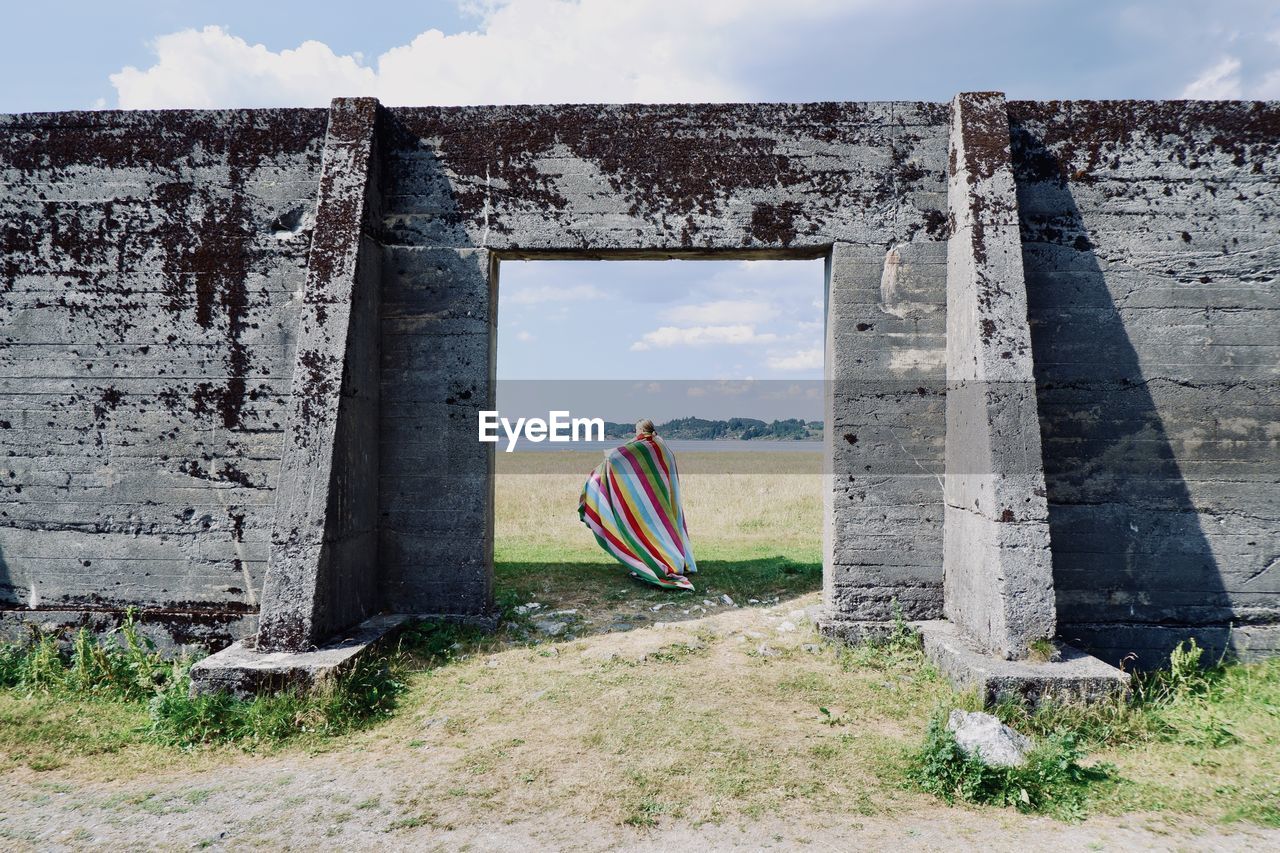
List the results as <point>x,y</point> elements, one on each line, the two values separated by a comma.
<point>1148,751</point>
<point>90,696</point>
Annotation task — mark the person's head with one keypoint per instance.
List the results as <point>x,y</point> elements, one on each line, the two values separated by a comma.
<point>644,426</point>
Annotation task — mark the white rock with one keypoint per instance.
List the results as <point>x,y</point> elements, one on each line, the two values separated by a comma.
<point>550,627</point>
<point>706,602</point>
<point>727,600</point>
<point>767,651</point>
<point>812,648</point>
<point>991,740</point>
<point>797,616</point>
<point>755,635</point>
<point>753,601</point>
<point>786,627</point>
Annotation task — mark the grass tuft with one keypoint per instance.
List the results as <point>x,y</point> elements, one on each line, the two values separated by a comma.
<point>1051,781</point>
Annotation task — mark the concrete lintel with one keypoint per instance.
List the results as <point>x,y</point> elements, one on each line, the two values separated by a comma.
<point>1075,677</point>
<point>244,671</point>
<point>998,580</point>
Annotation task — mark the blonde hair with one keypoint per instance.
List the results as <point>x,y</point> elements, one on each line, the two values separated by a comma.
<point>644,426</point>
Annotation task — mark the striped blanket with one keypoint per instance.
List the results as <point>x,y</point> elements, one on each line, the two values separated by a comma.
<point>631,502</point>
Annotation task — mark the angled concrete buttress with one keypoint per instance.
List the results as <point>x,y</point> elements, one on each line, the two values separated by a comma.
<point>998,593</point>
<point>321,582</point>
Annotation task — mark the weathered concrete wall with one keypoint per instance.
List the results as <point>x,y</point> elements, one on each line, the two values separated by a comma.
<point>1149,246</point>
<point>322,575</point>
<point>150,265</point>
<point>473,184</point>
<point>998,577</point>
<point>152,297</point>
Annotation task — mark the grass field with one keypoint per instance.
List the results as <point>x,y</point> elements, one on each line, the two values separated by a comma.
<point>649,710</point>
<point>756,535</point>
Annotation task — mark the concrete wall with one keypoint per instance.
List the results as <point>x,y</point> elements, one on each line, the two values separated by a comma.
<point>152,299</point>
<point>865,182</point>
<point>150,265</point>
<point>998,577</point>
<point>1150,251</point>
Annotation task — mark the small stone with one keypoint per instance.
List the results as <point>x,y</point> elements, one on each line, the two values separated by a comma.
<point>812,648</point>
<point>727,600</point>
<point>706,602</point>
<point>767,651</point>
<point>753,601</point>
<point>655,608</point>
<point>492,663</point>
<point>755,635</point>
<point>786,627</point>
<point>620,626</point>
<point>796,616</point>
<point>550,627</point>
<point>991,740</point>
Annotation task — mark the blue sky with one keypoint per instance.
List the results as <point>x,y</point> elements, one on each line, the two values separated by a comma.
<point>639,320</point>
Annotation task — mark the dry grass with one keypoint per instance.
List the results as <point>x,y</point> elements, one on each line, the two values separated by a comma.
<point>768,503</point>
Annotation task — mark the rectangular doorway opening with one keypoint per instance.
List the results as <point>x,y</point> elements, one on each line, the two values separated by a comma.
<point>727,359</point>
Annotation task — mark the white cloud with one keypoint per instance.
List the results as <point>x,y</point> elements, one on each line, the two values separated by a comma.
<point>700,336</point>
<point>1219,81</point>
<point>523,51</point>
<point>720,312</point>
<point>525,337</point>
<point>212,68</point>
<point>551,293</point>
<point>805,359</point>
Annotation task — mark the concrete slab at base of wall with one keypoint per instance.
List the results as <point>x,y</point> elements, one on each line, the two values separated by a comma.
<point>1076,677</point>
<point>244,671</point>
<point>853,630</point>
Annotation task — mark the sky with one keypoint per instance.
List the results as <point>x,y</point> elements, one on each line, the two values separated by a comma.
<point>637,320</point>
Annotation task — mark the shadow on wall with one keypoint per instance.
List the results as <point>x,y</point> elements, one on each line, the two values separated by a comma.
<point>8,595</point>
<point>1133,569</point>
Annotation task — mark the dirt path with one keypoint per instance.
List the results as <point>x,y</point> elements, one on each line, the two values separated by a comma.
<point>368,802</point>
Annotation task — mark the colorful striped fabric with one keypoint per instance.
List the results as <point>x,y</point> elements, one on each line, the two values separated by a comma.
<point>631,502</point>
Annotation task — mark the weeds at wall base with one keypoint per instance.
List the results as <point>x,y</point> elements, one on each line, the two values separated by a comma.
<point>125,666</point>
<point>1183,705</point>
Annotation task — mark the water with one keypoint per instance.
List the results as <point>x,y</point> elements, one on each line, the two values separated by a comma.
<point>677,445</point>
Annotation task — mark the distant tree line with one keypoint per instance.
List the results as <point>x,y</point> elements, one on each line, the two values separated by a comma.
<point>735,429</point>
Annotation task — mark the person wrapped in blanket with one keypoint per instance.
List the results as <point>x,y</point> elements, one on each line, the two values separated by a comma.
<point>631,503</point>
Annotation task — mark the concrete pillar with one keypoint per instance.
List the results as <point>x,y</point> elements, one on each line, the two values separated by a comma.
<point>998,577</point>
<point>322,567</point>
